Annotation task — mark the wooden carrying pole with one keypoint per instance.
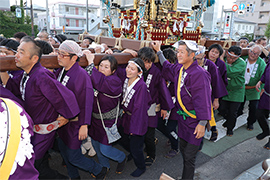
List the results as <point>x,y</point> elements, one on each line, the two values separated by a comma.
<point>7,63</point>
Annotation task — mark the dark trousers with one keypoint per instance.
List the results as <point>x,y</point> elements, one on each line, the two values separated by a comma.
<point>189,152</point>
<point>134,145</point>
<point>74,160</point>
<point>252,108</point>
<point>262,116</point>
<point>149,141</point>
<point>169,130</point>
<point>229,111</point>
<point>45,172</point>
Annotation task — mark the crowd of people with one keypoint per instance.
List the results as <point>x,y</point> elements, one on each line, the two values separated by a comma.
<point>72,109</point>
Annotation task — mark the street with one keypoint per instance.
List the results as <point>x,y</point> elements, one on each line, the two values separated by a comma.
<point>225,159</point>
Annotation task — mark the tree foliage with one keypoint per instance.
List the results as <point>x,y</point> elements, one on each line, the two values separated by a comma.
<point>10,24</point>
<point>267,31</point>
<point>249,36</point>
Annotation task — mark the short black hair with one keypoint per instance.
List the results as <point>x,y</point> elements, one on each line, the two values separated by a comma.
<point>140,62</point>
<point>19,35</point>
<point>112,60</point>
<point>10,43</point>
<point>61,38</point>
<point>218,47</point>
<point>147,54</point>
<point>170,54</point>
<point>36,50</point>
<point>45,47</point>
<point>236,50</point>
<point>90,39</point>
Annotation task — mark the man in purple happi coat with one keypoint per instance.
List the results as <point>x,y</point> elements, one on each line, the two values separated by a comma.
<point>193,91</point>
<point>71,135</point>
<point>44,99</point>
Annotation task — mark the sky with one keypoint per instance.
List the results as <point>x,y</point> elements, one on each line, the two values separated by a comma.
<point>227,3</point>
<point>43,2</point>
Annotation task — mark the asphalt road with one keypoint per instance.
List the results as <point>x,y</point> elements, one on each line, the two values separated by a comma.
<point>224,159</point>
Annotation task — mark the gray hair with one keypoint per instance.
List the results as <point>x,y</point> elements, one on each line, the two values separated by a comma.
<point>187,48</point>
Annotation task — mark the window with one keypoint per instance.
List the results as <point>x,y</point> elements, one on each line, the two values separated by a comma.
<point>239,26</point>
<point>243,27</point>
<point>72,22</point>
<point>262,4</point>
<point>261,16</point>
<point>249,27</point>
<point>67,9</point>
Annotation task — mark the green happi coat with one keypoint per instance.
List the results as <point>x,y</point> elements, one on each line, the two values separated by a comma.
<point>236,81</point>
<point>252,94</point>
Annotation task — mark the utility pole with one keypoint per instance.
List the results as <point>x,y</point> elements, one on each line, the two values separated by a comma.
<point>221,21</point>
<point>47,18</point>
<point>86,15</point>
<point>32,19</point>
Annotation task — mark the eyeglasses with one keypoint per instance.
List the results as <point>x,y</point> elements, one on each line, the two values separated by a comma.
<point>64,55</point>
<point>255,54</point>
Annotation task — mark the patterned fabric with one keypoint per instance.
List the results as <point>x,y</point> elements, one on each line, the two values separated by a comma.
<point>71,47</point>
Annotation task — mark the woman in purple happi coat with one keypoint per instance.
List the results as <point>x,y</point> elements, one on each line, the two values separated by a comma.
<point>215,52</point>
<point>264,105</point>
<point>134,122</point>
<point>193,91</point>
<point>108,91</point>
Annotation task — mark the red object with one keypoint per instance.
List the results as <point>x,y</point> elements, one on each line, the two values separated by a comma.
<point>234,7</point>
<point>50,127</point>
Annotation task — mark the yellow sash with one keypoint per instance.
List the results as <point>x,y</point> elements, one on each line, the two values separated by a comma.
<point>14,139</point>
<point>212,122</point>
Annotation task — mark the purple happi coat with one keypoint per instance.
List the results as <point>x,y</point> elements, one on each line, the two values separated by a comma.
<point>109,90</point>
<point>195,95</point>
<point>23,167</point>
<point>173,114</point>
<point>44,99</point>
<point>218,87</point>
<point>159,93</point>
<point>78,81</point>
<point>222,70</point>
<point>265,98</point>
<point>5,93</point>
<point>135,118</point>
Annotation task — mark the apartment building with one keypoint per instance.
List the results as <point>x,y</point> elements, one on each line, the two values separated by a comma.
<point>257,11</point>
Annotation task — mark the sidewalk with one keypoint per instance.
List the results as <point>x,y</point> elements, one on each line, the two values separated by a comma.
<point>253,173</point>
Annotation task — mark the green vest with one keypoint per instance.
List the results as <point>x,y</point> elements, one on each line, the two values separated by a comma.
<point>252,94</point>
<point>236,81</point>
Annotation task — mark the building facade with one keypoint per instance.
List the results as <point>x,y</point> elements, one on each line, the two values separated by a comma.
<point>257,11</point>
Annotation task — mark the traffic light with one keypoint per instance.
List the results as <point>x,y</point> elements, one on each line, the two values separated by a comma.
<point>227,21</point>
<point>248,8</point>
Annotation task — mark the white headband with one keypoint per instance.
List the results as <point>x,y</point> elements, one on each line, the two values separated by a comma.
<point>136,65</point>
<point>200,52</point>
<point>232,54</point>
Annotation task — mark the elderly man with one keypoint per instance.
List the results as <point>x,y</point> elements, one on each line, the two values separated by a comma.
<point>44,99</point>
<point>193,94</point>
<point>236,87</point>
<point>254,70</point>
